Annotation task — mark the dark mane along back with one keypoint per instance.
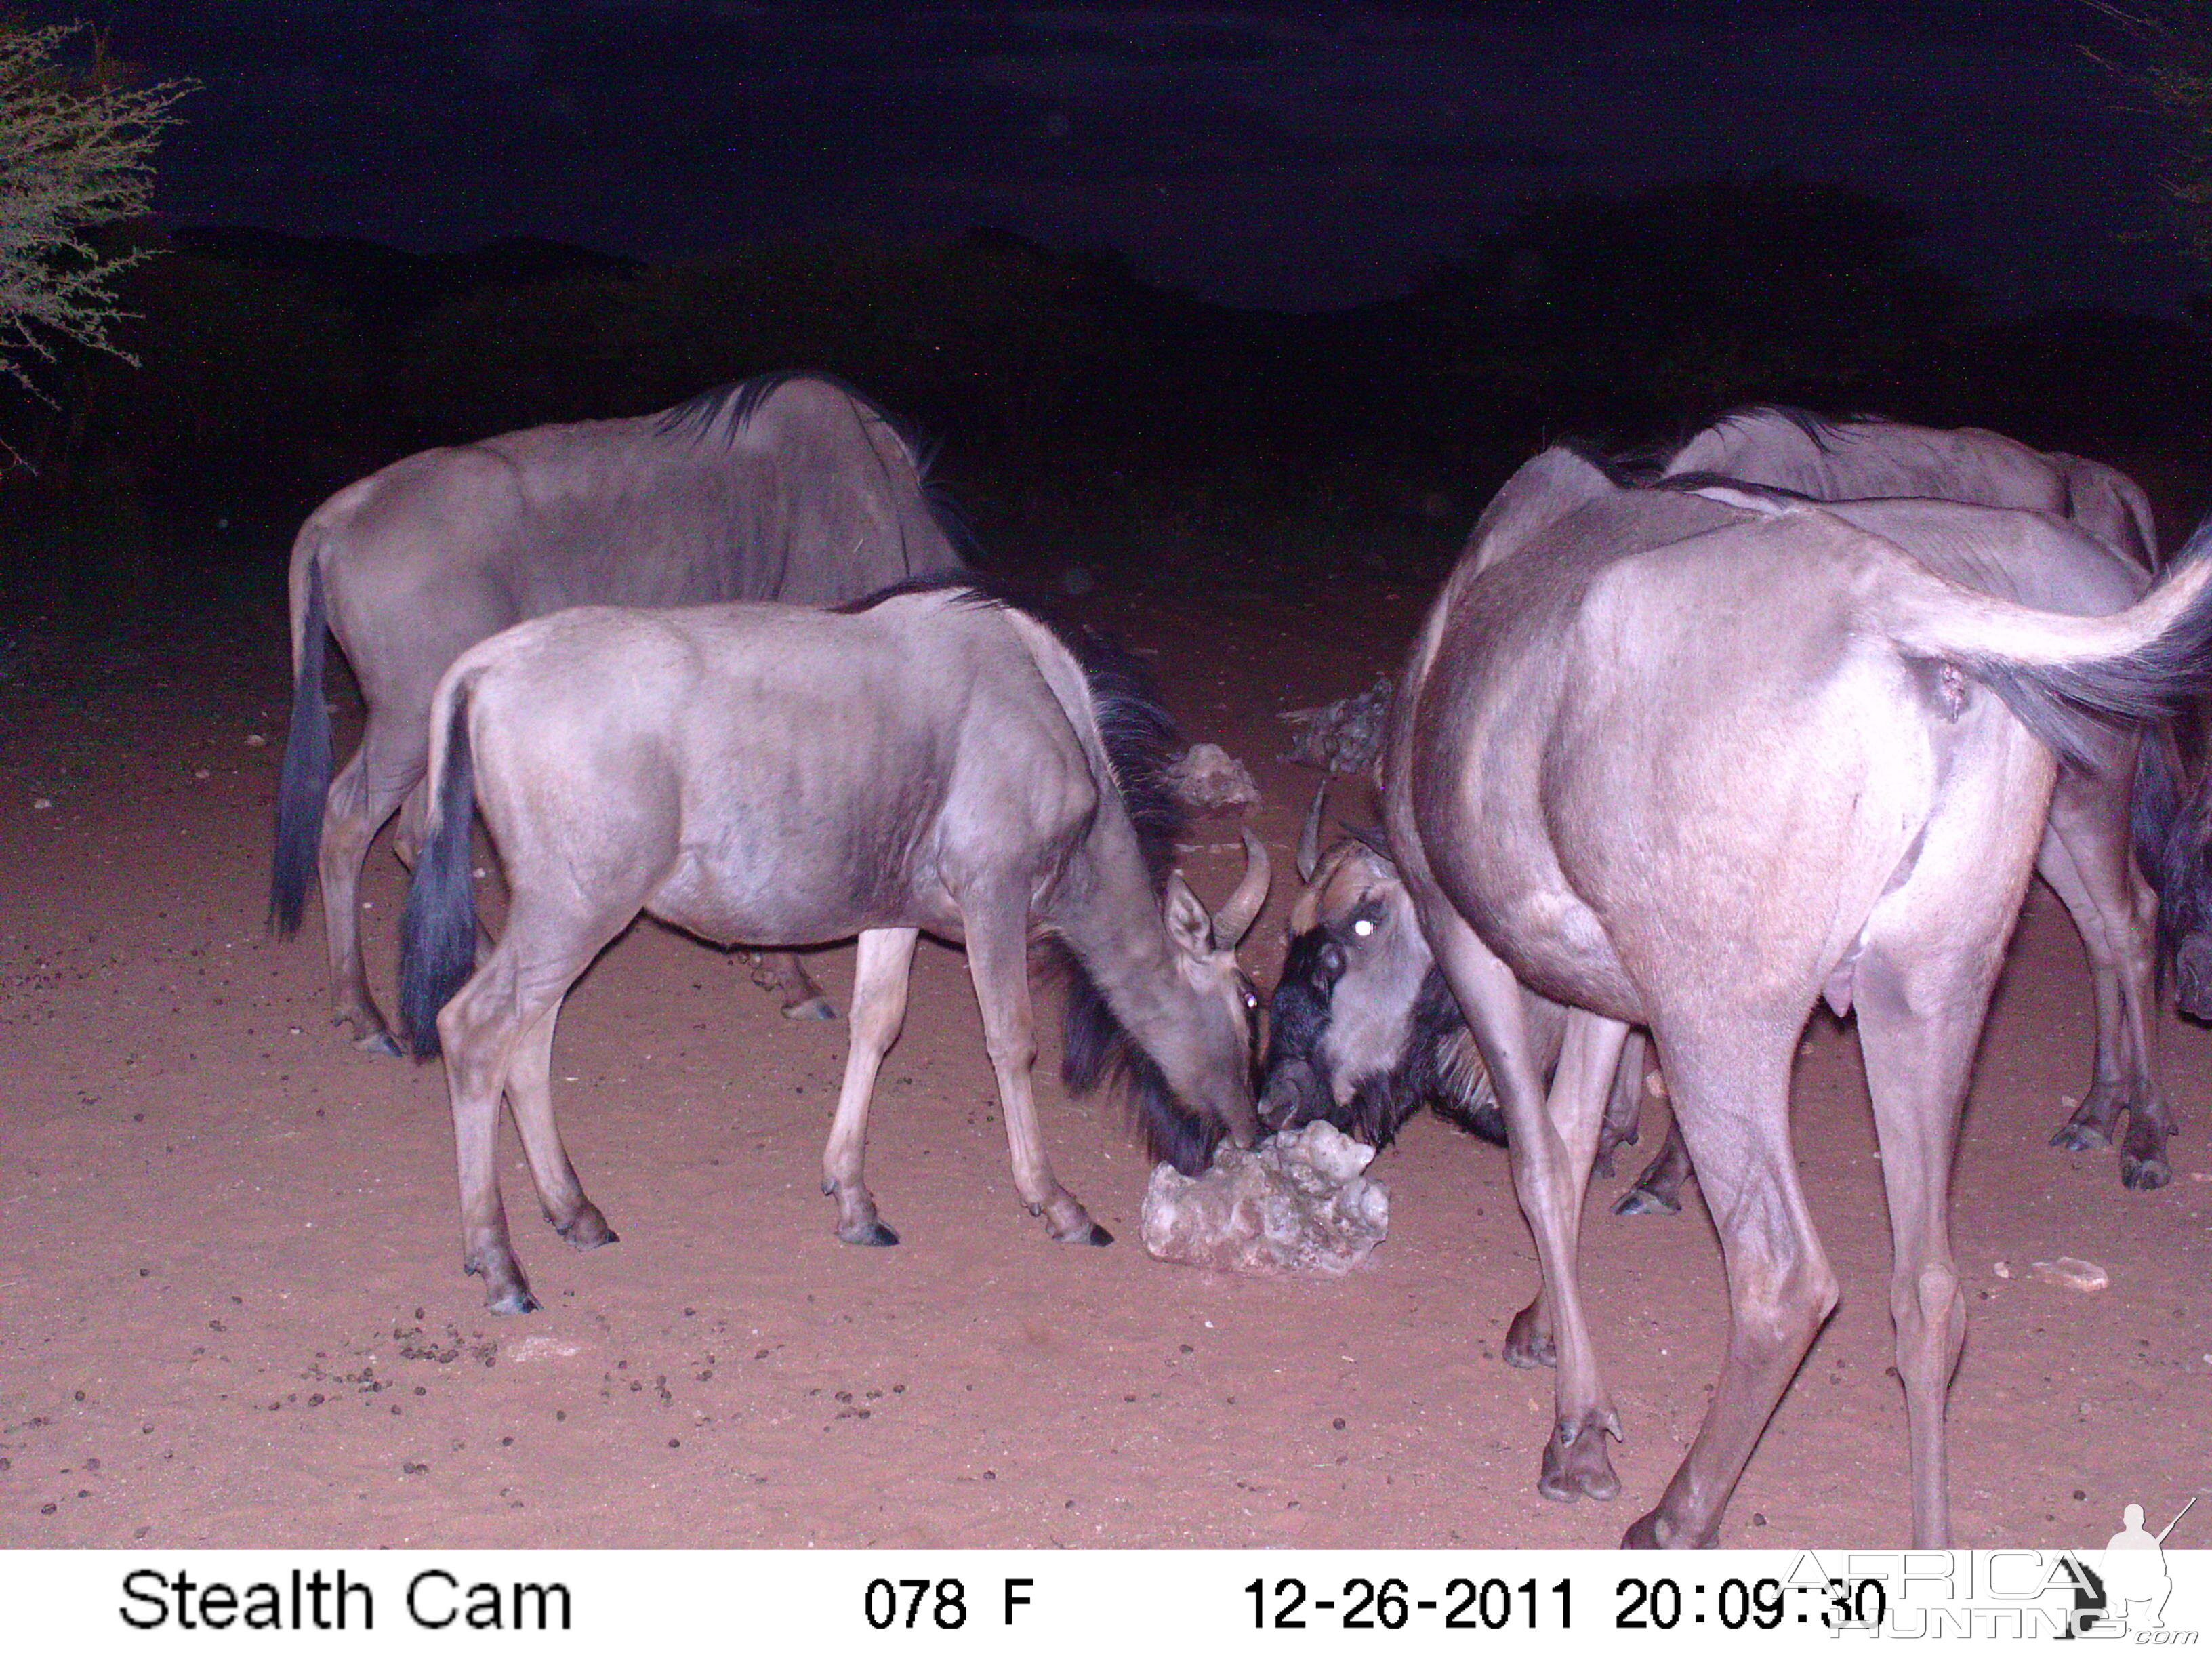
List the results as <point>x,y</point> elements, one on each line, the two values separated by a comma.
<point>1141,737</point>
<point>724,410</point>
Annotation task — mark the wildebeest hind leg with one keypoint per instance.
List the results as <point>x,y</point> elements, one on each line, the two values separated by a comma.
<point>530,1097</point>
<point>997,963</point>
<point>1624,1106</point>
<point>1732,1097</point>
<point>361,797</point>
<point>879,985</point>
<point>2086,857</point>
<point>1918,1052</point>
<point>479,1032</point>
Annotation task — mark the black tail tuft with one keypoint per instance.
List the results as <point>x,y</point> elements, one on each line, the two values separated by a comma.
<point>438,938</point>
<point>2150,683</point>
<point>305,779</point>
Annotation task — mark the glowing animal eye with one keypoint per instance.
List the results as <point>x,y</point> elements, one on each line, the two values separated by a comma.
<point>1362,928</point>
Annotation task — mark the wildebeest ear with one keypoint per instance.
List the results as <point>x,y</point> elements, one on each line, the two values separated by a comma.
<point>1188,924</point>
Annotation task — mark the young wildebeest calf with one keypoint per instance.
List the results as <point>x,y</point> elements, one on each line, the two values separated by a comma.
<point>928,760</point>
<point>1694,765</point>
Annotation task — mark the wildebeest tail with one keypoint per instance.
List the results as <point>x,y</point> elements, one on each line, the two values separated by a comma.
<point>2137,664</point>
<point>305,779</point>
<point>438,938</point>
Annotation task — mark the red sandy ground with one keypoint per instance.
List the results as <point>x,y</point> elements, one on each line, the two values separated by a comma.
<point>233,1314</point>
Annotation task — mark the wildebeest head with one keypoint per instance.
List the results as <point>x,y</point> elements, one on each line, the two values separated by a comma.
<point>1188,1067</point>
<point>1362,1028</point>
<point>2173,844</point>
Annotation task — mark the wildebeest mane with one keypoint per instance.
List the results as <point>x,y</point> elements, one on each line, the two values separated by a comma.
<point>724,411</point>
<point>1139,736</point>
<point>1652,458</point>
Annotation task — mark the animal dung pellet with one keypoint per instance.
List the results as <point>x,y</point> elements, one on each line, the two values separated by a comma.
<point>2073,1273</point>
<point>1209,779</point>
<point>1296,1204</point>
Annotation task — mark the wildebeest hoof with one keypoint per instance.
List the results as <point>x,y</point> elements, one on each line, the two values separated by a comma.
<point>378,1042</point>
<point>1098,1236</point>
<point>589,1229</point>
<point>505,1292</point>
<point>870,1232</point>
<point>2080,1138</point>
<point>1527,1344</point>
<point>2145,1174</point>
<point>1654,1532</point>
<point>1642,1200</point>
<point>1576,1465</point>
<point>810,1008</point>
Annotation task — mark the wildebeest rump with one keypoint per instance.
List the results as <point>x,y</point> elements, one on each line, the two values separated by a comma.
<point>1360,1061</point>
<point>784,487</point>
<point>1694,765</point>
<point>929,761</point>
<point>1838,461</point>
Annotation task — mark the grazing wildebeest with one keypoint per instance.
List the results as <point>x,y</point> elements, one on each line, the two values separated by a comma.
<point>1864,457</point>
<point>1694,765</point>
<point>784,487</point>
<point>1341,1036</point>
<point>928,760</point>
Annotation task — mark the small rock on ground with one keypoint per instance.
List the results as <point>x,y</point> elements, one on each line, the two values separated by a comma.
<point>2072,1272</point>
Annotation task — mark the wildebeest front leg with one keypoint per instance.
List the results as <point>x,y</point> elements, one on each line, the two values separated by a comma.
<point>366,792</point>
<point>997,963</point>
<point>530,1097</point>
<point>2088,858</point>
<point>879,985</point>
<point>1551,1146</point>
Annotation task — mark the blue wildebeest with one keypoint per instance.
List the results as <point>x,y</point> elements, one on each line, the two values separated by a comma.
<point>1839,460</point>
<point>784,487</point>
<point>1341,1036</point>
<point>1694,764</point>
<point>926,760</point>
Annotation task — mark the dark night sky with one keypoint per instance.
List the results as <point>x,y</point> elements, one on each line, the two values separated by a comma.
<point>1296,157</point>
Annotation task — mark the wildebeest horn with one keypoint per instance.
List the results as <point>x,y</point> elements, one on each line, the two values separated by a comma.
<point>1309,835</point>
<point>1234,920</point>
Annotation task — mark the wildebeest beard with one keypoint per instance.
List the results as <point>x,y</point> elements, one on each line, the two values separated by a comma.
<point>1436,1065</point>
